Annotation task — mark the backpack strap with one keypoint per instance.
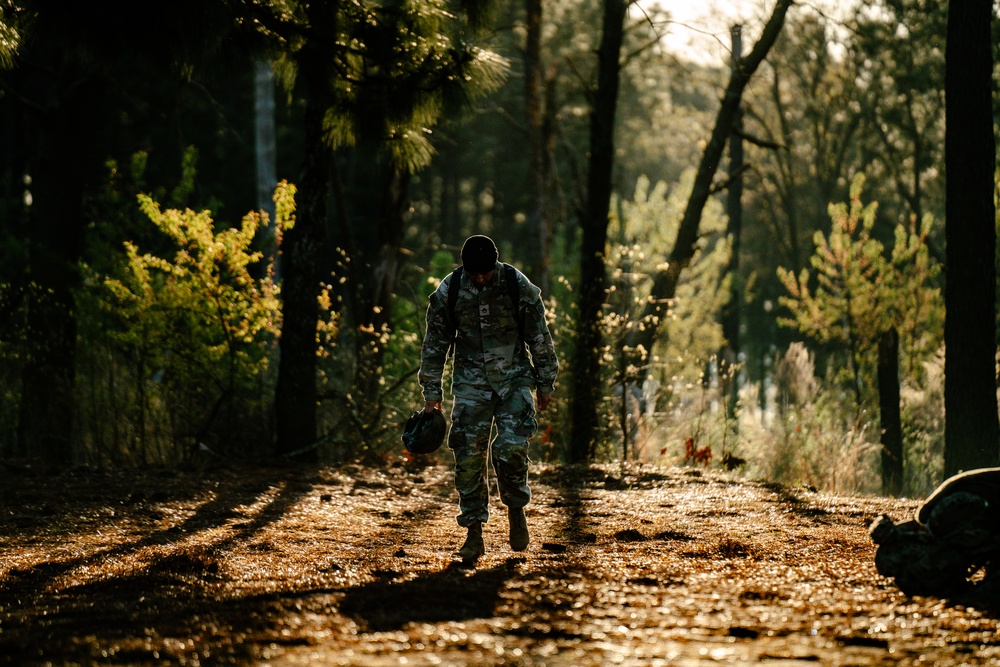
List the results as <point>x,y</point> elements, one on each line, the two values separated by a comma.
<point>453,287</point>
<point>513,290</point>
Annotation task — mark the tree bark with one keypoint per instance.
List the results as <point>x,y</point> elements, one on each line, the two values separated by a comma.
<point>375,278</point>
<point>302,248</point>
<point>65,157</point>
<point>972,432</point>
<point>889,414</point>
<point>734,206</point>
<point>537,177</point>
<point>594,227</point>
<point>665,281</point>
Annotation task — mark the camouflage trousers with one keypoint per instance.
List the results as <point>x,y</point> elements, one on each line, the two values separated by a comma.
<point>472,424</point>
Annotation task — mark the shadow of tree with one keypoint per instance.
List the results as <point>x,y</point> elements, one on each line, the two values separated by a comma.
<point>291,485</point>
<point>164,590</point>
<point>122,612</point>
<point>571,480</point>
<point>456,593</point>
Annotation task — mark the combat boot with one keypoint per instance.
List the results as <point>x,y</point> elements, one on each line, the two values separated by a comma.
<point>519,537</point>
<point>474,546</point>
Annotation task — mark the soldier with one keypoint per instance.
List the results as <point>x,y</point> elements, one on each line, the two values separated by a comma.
<point>495,319</point>
<point>954,533</point>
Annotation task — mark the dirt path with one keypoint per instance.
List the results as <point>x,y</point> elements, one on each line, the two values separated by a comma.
<point>355,566</point>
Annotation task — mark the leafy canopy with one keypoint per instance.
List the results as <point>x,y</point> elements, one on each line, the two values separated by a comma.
<point>386,71</point>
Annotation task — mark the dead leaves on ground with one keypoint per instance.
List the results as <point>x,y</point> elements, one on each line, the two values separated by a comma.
<point>356,565</point>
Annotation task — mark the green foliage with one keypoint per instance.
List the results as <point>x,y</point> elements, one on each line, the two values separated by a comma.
<point>693,335</point>
<point>201,324</point>
<point>392,69</point>
<point>848,264</point>
<point>859,293</point>
<point>10,36</point>
<point>898,50</point>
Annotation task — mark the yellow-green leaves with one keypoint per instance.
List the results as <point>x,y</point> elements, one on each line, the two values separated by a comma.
<point>209,313</point>
<point>284,206</point>
<point>10,41</point>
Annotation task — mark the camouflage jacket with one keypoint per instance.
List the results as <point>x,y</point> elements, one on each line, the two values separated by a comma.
<point>490,355</point>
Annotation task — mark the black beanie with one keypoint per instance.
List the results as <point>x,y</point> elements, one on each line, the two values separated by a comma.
<point>479,254</point>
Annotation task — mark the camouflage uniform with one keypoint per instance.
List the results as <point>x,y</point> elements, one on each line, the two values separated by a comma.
<point>492,380</point>
<point>955,532</point>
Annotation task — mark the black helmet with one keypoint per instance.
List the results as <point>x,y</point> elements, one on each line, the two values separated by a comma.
<point>424,431</point>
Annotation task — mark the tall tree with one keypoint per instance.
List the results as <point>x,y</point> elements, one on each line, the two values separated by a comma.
<point>899,49</point>
<point>594,235</point>
<point>666,279</point>
<point>972,431</point>
<point>375,80</point>
<point>805,148</point>
<point>802,152</point>
<point>535,120</point>
<point>302,262</point>
<point>730,315</point>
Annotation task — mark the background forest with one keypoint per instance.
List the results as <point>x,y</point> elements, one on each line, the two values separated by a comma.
<point>220,222</point>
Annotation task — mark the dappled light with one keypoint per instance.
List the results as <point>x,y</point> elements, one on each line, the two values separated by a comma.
<point>357,565</point>
<point>699,321</point>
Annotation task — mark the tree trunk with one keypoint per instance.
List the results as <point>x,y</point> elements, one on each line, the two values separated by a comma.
<point>889,413</point>
<point>264,136</point>
<point>665,281</point>
<point>594,227</point>
<point>734,206</point>
<point>65,157</point>
<point>265,149</point>
<point>376,283</point>
<point>302,250</point>
<point>971,426</point>
<point>537,177</point>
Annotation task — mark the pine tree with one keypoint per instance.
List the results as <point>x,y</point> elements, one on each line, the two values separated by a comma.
<point>374,79</point>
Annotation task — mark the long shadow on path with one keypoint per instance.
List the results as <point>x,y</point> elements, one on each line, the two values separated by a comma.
<point>158,589</point>
<point>454,594</point>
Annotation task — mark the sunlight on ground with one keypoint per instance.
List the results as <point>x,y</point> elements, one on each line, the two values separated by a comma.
<point>629,565</point>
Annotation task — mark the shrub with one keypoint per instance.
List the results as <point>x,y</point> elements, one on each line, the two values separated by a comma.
<point>199,328</point>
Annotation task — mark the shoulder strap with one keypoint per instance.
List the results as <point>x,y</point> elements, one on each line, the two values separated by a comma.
<point>513,290</point>
<point>453,287</point>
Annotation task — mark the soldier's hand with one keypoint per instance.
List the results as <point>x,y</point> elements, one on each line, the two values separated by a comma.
<point>431,406</point>
<point>543,400</point>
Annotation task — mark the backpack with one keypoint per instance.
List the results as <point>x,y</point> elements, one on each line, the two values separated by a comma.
<point>513,290</point>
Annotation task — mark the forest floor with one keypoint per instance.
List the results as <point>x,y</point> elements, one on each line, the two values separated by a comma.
<point>355,565</point>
